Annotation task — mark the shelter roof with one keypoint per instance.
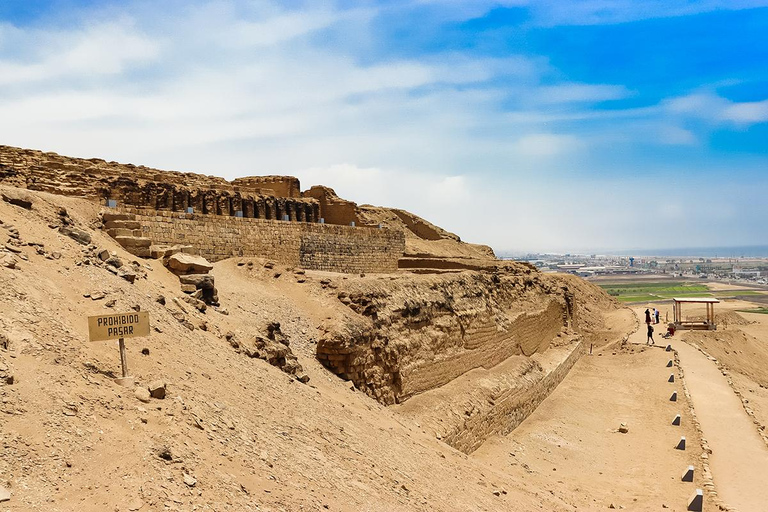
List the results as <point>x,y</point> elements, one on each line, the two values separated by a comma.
<point>698,300</point>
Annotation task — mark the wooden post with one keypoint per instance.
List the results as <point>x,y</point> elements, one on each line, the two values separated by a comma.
<point>123,358</point>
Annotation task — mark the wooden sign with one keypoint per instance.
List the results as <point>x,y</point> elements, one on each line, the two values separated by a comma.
<point>119,325</point>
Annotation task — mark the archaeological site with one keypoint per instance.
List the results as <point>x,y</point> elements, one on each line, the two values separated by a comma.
<point>305,352</point>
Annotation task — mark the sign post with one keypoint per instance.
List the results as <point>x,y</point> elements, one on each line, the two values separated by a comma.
<point>119,326</point>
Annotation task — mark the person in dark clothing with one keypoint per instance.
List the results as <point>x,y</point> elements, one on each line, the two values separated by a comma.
<point>648,316</point>
<point>650,341</point>
<point>657,316</point>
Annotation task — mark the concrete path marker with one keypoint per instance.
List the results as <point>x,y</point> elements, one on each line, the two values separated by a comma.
<point>119,326</point>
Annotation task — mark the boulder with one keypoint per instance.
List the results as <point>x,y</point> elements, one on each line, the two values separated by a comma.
<point>201,281</point>
<point>76,234</point>
<point>197,304</point>
<point>18,198</point>
<point>157,389</point>
<point>126,273</point>
<point>181,263</point>
<point>142,394</point>
<point>114,261</point>
<point>274,349</point>
<point>7,261</point>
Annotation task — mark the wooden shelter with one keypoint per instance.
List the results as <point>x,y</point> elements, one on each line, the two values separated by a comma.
<point>708,324</point>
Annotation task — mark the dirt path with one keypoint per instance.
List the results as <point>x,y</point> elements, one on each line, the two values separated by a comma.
<point>739,460</point>
<point>570,446</point>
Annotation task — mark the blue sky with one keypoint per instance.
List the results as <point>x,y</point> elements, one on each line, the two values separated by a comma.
<point>528,125</point>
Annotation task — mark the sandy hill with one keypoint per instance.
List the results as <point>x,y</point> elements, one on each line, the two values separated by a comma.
<point>235,432</point>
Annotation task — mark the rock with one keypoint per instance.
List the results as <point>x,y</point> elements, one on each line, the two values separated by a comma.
<point>97,295</point>
<point>78,235</point>
<point>11,380</point>
<point>136,503</point>
<point>189,325</point>
<point>5,494</point>
<point>181,263</point>
<point>142,394</point>
<point>103,255</point>
<point>623,428</point>
<point>160,300</point>
<point>189,480</point>
<point>198,304</point>
<point>275,350</point>
<point>157,389</point>
<point>188,288</point>
<point>110,303</point>
<point>223,311</point>
<point>12,248</point>
<point>18,198</point>
<point>7,261</point>
<point>127,274</point>
<point>202,281</point>
<point>113,261</point>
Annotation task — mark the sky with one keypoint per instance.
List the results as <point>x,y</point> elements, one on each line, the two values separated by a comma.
<point>531,126</point>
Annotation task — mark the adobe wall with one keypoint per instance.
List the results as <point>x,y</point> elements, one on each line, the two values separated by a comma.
<point>484,346</point>
<point>333,209</point>
<point>301,244</point>
<point>509,409</point>
<point>265,197</point>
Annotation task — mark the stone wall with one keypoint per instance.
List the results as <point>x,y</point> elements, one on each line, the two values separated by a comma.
<point>301,244</point>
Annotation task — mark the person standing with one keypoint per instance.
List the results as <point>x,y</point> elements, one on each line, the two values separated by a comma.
<point>650,341</point>
<point>647,316</point>
<point>657,315</point>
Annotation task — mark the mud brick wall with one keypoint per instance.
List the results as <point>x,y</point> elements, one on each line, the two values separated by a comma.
<point>308,245</point>
<point>485,346</point>
<point>509,411</point>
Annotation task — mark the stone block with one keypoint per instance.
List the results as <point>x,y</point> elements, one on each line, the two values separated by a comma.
<point>688,474</point>
<point>673,398</point>
<point>123,224</point>
<point>182,263</point>
<point>676,421</point>
<point>680,444</point>
<point>669,364</point>
<point>133,241</point>
<point>671,377</point>
<point>110,216</point>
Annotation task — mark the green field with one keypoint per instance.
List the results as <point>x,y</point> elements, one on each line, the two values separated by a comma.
<point>763,311</point>
<point>649,292</point>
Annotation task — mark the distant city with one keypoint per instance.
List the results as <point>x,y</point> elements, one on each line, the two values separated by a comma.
<point>740,269</point>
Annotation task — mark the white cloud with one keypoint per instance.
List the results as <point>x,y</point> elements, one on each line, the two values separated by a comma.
<point>103,49</point>
<point>544,145</point>
<point>575,93</point>
<point>716,109</point>
<point>747,112</point>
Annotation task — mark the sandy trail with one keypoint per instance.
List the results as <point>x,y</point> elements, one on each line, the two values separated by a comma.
<point>739,460</point>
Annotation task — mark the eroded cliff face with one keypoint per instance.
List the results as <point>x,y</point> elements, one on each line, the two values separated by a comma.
<point>404,336</point>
